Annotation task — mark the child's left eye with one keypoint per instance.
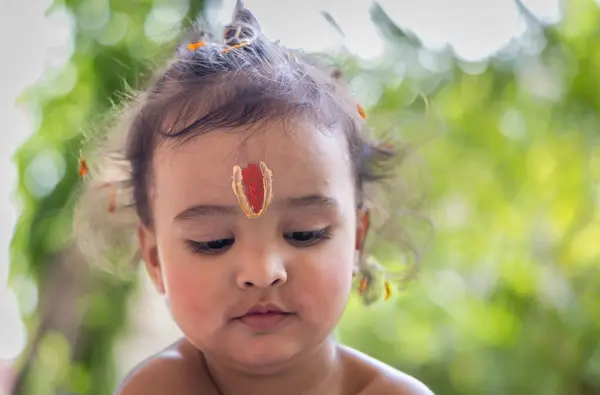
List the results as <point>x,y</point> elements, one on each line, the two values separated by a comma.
<point>210,247</point>
<point>307,238</point>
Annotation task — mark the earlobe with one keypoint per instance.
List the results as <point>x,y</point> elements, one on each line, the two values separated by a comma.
<point>149,252</point>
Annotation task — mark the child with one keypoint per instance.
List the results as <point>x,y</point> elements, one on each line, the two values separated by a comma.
<point>247,165</point>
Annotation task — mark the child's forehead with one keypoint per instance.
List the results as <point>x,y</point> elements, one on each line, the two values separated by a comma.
<point>288,143</point>
<point>303,159</point>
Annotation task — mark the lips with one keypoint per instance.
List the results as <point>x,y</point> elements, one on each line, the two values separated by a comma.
<point>263,321</point>
<point>264,317</point>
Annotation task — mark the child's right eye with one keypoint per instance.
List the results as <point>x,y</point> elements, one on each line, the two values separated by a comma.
<point>210,247</point>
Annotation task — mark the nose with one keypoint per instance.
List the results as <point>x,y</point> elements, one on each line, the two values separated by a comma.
<point>261,269</point>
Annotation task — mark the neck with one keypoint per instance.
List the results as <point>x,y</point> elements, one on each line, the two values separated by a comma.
<point>315,372</point>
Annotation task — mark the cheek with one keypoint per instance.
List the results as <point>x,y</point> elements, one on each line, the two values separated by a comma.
<point>324,284</point>
<point>190,287</point>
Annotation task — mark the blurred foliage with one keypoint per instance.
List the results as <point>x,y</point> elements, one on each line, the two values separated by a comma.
<point>508,297</point>
<point>81,312</point>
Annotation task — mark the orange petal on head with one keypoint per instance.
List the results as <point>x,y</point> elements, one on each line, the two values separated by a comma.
<point>196,45</point>
<point>361,111</point>
<point>83,167</point>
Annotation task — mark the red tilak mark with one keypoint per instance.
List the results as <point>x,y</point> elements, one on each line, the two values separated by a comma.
<point>253,182</point>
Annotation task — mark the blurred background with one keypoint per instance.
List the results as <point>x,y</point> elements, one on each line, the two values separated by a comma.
<point>501,97</point>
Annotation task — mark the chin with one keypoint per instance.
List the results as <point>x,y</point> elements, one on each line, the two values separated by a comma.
<point>267,354</point>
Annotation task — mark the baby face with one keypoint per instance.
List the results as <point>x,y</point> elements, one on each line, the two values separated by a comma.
<point>254,292</point>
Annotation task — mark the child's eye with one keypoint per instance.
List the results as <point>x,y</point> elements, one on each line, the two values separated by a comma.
<point>308,238</point>
<point>210,247</point>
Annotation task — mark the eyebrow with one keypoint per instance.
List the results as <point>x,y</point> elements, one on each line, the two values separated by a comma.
<point>203,210</point>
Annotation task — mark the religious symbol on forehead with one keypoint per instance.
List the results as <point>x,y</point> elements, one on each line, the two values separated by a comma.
<point>253,187</point>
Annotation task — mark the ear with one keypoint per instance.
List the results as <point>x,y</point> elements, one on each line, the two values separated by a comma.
<point>149,251</point>
<point>362,228</point>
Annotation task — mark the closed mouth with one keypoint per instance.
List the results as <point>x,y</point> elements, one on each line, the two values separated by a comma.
<point>266,313</point>
<point>269,308</point>
<point>264,321</point>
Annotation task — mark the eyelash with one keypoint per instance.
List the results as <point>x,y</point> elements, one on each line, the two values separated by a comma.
<point>317,236</point>
<point>214,247</point>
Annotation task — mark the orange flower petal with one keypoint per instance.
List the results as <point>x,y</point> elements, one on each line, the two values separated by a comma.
<point>361,111</point>
<point>83,167</point>
<point>196,45</point>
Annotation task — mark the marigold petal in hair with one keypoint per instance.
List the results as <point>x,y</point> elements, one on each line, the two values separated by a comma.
<point>361,111</point>
<point>194,46</point>
<point>84,170</point>
<point>253,187</point>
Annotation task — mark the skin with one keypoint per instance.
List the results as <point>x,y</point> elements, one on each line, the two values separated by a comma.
<point>263,260</point>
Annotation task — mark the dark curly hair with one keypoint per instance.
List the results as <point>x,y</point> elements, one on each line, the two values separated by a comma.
<point>228,83</point>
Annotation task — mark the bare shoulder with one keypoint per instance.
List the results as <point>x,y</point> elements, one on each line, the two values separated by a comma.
<point>174,370</point>
<point>382,379</point>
